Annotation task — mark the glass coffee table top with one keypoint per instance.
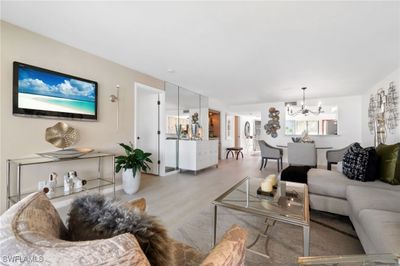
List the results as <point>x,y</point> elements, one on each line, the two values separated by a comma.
<point>289,202</point>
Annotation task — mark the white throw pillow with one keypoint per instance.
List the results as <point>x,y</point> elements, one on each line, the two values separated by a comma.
<point>339,167</point>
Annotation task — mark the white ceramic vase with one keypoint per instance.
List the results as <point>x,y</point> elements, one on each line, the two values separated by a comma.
<point>130,183</point>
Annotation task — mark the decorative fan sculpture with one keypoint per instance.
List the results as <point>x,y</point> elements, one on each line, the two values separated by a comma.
<point>62,135</point>
<point>273,125</point>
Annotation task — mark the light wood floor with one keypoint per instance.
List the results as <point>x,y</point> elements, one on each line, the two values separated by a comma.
<point>179,197</point>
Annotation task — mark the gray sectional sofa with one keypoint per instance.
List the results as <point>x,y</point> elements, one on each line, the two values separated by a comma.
<point>373,207</point>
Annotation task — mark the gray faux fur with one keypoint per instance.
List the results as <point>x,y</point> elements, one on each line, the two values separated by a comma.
<point>93,217</point>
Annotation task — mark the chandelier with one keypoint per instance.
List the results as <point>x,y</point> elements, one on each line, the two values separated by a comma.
<point>304,110</point>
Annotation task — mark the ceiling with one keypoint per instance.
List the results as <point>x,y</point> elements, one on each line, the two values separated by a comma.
<point>238,52</point>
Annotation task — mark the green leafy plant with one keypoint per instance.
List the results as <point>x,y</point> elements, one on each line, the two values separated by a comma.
<point>135,159</point>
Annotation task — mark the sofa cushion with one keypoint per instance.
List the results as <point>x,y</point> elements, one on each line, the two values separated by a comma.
<point>361,198</point>
<point>382,228</point>
<point>328,183</point>
<point>333,184</point>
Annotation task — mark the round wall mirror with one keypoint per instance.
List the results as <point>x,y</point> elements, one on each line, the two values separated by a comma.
<point>247,129</point>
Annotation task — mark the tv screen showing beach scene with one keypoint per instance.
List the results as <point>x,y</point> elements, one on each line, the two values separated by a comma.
<point>43,92</point>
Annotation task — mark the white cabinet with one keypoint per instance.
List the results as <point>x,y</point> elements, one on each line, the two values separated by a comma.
<point>171,146</point>
<point>195,155</point>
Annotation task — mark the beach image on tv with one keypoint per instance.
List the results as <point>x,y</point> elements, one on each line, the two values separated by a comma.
<point>40,90</point>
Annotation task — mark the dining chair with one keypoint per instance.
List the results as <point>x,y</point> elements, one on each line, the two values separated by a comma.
<point>335,156</point>
<point>302,154</point>
<point>270,152</point>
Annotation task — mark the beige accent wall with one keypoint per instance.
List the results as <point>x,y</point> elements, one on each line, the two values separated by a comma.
<point>21,136</point>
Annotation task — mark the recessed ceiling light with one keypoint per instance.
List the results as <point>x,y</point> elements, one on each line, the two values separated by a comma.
<point>170,70</point>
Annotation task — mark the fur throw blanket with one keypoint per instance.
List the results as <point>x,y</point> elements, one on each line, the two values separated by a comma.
<point>93,217</point>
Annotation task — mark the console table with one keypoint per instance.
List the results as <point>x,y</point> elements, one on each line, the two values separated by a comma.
<point>96,182</point>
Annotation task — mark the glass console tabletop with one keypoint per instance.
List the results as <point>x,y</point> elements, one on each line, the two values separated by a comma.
<point>353,260</point>
<point>289,204</point>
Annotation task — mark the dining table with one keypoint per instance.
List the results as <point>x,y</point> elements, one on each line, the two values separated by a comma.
<point>317,147</point>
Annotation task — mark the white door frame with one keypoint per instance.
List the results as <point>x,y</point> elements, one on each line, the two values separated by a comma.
<point>161,122</point>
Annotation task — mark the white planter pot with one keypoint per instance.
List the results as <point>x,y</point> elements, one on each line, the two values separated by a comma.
<point>130,183</point>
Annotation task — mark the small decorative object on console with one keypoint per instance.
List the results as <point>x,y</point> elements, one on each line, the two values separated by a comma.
<point>41,185</point>
<point>68,183</point>
<point>296,139</point>
<point>52,182</point>
<point>62,135</point>
<point>306,138</point>
<point>48,186</point>
<point>195,127</point>
<point>77,182</point>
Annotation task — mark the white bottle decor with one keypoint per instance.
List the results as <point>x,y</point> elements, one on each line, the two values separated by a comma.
<point>52,182</point>
<point>130,183</point>
<point>67,183</point>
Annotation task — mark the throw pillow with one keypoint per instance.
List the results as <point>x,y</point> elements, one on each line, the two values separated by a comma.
<point>339,167</point>
<point>296,174</point>
<point>359,163</point>
<point>93,217</point>
<point>389,163</point>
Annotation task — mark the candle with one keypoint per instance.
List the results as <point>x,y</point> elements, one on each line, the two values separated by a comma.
<point>273,179</point>
<point>266,186</point>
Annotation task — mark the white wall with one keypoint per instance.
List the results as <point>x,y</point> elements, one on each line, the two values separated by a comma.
<point>22,136</point>
<point>349,115</point>
<point>367,137</point>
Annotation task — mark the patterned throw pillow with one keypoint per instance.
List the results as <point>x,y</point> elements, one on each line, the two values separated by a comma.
<point>359,163</point>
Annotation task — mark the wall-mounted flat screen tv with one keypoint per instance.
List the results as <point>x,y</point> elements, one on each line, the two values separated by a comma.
<point>44,93</point>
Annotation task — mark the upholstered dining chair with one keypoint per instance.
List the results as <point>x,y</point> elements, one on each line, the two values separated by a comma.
<point>270,152</point>
<point>335,156</point>
<point>302,154</point>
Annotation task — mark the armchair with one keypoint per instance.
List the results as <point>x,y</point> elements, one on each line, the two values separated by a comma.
<point>270,152</point>
<point>335,156</point>
<point>33,230</point>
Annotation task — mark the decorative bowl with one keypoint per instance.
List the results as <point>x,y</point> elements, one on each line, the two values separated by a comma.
<point>66,154</point>
<point>296,139</point>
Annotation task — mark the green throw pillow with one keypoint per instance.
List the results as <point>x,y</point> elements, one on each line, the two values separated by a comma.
<point>389,163</point>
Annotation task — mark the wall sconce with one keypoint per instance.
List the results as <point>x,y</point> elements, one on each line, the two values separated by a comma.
<point>115,99</point>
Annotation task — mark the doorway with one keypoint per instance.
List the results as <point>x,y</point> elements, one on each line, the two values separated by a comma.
<point>237,131</point>
<point>147,128</point>
<point>214,128</point>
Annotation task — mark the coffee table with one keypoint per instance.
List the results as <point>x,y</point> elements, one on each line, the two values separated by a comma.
<point>288,205</point>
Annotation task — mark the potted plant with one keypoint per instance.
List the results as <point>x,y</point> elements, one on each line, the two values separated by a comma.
<point>132,164</point>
